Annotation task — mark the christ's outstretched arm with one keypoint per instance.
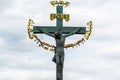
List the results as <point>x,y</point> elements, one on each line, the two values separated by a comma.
<point>52,35</point>
<point>72,33</point>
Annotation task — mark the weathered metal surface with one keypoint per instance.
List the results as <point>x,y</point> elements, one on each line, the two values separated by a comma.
<point>52,29</point>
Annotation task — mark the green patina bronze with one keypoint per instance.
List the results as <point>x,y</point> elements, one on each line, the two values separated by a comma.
<point>59,33</point>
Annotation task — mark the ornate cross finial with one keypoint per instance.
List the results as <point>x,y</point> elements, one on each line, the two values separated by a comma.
<point>60,2</point>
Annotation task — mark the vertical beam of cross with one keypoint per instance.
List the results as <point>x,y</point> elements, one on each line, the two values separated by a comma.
<point>59,24</point>
<point>59,21</point>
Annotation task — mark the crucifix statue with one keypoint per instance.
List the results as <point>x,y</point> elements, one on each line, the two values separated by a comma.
<point>59,33</point>
<point>59,49</point>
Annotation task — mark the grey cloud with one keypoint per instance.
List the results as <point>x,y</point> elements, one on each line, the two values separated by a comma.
<point>4,4</point>
<point>91,3</point>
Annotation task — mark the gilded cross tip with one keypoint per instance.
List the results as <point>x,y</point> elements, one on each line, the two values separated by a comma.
<point>60,2</point>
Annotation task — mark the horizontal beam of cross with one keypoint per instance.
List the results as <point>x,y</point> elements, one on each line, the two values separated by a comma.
<point>52,29</point>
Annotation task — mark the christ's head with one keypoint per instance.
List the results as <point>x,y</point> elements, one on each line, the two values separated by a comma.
<point>58,34</point>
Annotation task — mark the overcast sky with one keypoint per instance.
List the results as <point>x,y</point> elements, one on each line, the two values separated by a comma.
<point>97,59</point>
